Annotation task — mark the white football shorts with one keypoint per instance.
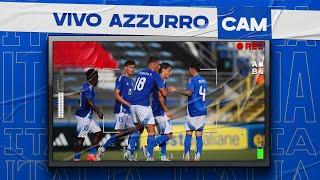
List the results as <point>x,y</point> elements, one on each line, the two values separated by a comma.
<point>124,121</point>
<point>164,124</point>
<point>142,114</point>
<point>86,125</point>
<point>195,123</point>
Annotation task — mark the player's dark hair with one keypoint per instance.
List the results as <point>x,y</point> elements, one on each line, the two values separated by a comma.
<point>164,66</point>
<point>195,65</point>
<point>91,73</point>
<point>130,62</point>
<point>152,59</point>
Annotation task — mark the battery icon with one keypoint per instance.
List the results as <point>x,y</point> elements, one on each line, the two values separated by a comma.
<point>260,152</point>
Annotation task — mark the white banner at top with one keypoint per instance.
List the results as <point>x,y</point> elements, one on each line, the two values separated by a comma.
<point>295,24</point>
<point>108,19</point>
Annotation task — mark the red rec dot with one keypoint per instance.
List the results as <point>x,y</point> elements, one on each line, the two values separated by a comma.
<point>239,46</point>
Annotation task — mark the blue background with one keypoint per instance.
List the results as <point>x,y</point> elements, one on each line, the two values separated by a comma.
<point>240,12</point>
<point>295,98</point>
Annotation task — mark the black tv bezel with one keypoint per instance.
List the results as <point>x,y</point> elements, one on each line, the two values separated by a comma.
<point>256,163</point>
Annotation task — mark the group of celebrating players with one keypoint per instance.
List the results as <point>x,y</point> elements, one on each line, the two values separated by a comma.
<point>142,105</point>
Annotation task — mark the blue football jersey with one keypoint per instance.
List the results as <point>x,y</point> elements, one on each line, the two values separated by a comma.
<point>145,82</point>
<point>86,93</point>
<point>197,101</point>
<point>156,106</point>
<point>124,84</point>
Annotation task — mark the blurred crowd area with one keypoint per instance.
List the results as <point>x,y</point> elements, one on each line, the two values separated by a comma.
<point>234,93</point>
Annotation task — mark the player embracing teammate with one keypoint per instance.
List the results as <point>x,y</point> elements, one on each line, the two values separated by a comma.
<point>196,112</point>
<point>162,114</point>
<point>142,105</point>
<point>147,79</point>
<point>133,106</point>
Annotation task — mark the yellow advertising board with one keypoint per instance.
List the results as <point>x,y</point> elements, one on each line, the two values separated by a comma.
<point>214,138</point>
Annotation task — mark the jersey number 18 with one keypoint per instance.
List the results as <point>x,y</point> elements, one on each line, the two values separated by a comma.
<point>140,83</point>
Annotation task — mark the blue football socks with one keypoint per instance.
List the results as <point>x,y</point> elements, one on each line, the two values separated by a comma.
<point>77,156</point>
<point>163,150</point>
<point>133,138</point>
<point>161,139</point>
<point>110,142</point>
<point>187,144</point>
<point>92,150</point>
<point>199,145</point>
<point>150,145</point>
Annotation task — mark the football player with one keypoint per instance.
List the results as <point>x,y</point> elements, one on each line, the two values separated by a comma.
<point>124,123</point>
<point>196,110</point>
<point>162,114</point>
<point>146,80</point>
<point>85,123</point>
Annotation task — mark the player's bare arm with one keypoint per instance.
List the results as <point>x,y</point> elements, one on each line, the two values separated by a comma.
<point>95,108</point>
<point>171,89</point>
<point>118,97</point>
<point>164,106</point>
<point>184,92</point>
<point>163,91</point>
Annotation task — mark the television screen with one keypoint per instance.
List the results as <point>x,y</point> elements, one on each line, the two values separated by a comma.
<point>158,101</point>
